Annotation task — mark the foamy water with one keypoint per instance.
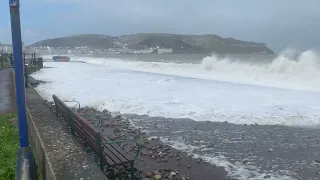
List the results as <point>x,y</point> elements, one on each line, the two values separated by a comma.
<point>285,71</point>
<point>197,91</point>
<point>207,91</point>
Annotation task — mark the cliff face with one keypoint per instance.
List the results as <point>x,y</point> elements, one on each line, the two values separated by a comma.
<point>179,43</point>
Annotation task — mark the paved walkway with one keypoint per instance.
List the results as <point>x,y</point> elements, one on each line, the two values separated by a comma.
<point>7,93</point>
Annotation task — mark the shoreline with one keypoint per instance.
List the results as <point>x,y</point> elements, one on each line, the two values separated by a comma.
<point>251,151</point>
<point>155,157</point>
<point>282,152</point>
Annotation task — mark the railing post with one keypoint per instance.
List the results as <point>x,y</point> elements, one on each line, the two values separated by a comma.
<point>1,55</point>
<point>2,60</point>
<point>98,142</point>
<point>26,165</point>
<point>11,59</point>
<point>26,75</point>
<point>71,123</point>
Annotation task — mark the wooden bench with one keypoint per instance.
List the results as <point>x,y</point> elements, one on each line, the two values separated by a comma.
<point>108,152</point>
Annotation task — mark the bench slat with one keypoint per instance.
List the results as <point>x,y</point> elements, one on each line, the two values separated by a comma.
<point>112,156</point>
<point>108,160</point>
<point>119,150</point>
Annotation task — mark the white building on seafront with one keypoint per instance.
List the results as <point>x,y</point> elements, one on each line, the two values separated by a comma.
<point>164,51</point>
<point>5,48</point>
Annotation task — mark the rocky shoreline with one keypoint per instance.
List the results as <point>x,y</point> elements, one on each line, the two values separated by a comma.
<point>241,143</point>
<point>155,159</point>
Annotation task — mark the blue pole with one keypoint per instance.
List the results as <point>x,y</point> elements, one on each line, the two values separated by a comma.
<point>25,165</point>
<point>18,72</point>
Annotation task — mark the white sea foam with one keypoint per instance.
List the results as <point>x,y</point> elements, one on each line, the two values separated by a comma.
<point>126,91</point>
<point>288,70</point>
<point>236,170</point>
<point>125,87</point>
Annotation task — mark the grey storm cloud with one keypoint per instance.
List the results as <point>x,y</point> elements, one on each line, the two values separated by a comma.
<point>278,23</point>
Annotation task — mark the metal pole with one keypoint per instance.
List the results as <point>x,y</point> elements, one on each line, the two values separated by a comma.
<point>24,58</point>
<point>25,166</point>
<point>1,54</point>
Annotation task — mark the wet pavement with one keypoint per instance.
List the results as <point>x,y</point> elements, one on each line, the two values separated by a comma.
<point>7,92</point>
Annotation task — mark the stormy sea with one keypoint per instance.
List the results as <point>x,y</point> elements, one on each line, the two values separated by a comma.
<point>256,116</point>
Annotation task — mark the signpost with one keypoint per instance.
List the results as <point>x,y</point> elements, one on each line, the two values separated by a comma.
<point>26,166</point>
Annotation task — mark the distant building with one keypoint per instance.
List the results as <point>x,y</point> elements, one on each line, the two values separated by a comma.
<point>164,51</point>
<point>6,48</point>
<point>81,47</point>
<point>148,51</point>
<point>49,49</point>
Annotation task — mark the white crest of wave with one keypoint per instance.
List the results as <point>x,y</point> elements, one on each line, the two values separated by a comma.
<point>307,62</point>
<point>289,69</point>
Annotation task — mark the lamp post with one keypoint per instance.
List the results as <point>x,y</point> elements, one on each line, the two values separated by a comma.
<point>25,166</point>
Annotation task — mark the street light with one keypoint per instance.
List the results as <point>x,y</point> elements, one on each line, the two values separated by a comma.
<point>26,165</point>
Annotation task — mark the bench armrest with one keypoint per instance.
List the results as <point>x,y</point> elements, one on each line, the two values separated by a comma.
<point>123,141</point>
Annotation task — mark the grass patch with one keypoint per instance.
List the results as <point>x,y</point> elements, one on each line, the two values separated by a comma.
<point>9,143</point>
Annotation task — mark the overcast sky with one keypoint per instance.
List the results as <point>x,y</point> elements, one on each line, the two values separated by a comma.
<point>279,23</point>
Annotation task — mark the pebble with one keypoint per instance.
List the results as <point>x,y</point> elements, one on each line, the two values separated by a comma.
<point>189,166</point>
<point>165,175</point>
<point>317,161</point>
<point>157,177</point>
<point>148,174</point>
<point>173,173</point>
<point>245,161</point>
<point>162,154</point>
